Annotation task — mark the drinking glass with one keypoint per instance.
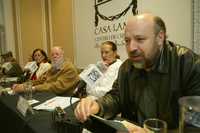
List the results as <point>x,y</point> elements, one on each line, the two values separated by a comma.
<point>28,90</point>
<point>155,125</point>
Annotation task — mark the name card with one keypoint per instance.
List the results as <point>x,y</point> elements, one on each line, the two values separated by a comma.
<point>22,105</point>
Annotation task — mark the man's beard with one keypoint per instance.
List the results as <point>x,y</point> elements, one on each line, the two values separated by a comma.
<point>139,65</point>
<point>147,63</point>
<point>57,64</point>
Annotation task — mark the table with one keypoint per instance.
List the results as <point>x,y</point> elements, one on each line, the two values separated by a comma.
<point>11,121</point>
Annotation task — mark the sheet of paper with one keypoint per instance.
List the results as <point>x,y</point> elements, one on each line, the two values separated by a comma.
<point>112,123</point>
<point>32,101</point>
<point>57,101</point>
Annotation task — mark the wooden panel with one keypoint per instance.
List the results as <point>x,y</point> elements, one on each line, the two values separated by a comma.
<point>62,28</point>
<point>30,27</point>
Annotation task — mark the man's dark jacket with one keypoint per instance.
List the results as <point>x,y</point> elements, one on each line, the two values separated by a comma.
<point>138,94</point>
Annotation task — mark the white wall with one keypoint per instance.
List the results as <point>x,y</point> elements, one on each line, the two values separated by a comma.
<point>176,13</point>
<point>9,26</point>
<point>85,52</point>
<point>6,20</point>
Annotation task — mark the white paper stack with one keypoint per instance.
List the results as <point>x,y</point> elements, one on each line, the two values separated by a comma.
<point>57,101</point>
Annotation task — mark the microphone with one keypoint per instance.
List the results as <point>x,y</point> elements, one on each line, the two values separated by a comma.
<point>31,66</point>
<point>91,75</point>
<point>81,84</point>
<point>26,74</point>
<point>80,90</point>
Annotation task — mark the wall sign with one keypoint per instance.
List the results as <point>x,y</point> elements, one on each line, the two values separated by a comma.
<point>110,17</point>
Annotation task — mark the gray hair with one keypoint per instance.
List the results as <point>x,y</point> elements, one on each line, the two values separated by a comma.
<point>160,26</point>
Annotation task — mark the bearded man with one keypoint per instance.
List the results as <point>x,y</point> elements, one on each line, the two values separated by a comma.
<point>150,82</point>
<point>61,79</point>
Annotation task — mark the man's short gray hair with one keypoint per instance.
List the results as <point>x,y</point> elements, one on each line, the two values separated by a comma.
<point>159,26</point>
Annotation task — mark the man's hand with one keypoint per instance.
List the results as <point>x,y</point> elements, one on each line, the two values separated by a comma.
<point>132,128</point>
<point>85,108</point>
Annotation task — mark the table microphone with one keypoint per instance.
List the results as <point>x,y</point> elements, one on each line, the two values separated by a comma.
<point>80,89</point>
<point>79,92</point>
<point>31,66</point>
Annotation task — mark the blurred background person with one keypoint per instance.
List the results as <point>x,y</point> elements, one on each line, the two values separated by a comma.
<point>40,58</point>
<point>109,66</point>
<point>61,79</point>
<point>7,57</point>
<point>9,66</point>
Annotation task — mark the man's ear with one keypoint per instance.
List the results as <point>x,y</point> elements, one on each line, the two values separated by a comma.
<point>160,38</point>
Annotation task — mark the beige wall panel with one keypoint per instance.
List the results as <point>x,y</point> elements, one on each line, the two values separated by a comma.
<point>30,15</point>
<point>62,28</point>
<point>31,26</point>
